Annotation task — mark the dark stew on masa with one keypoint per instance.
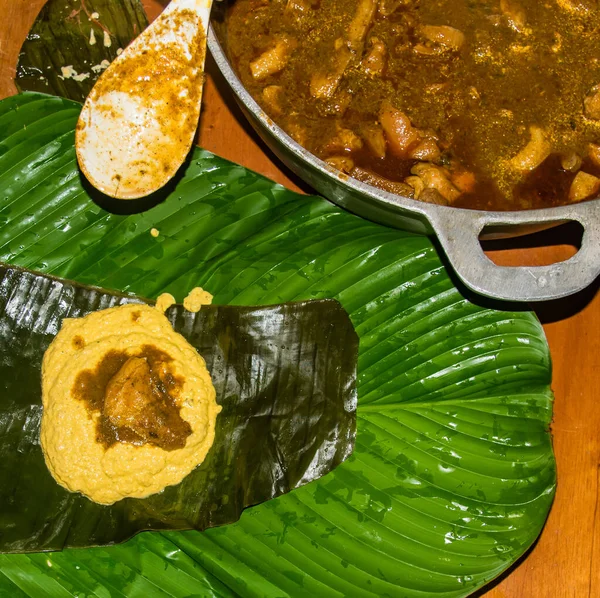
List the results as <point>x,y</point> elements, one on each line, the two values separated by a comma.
<point>493,104</point>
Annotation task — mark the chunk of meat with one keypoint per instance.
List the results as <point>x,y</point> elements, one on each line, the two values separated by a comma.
<point>374,62</point>
<point>448,38</point>
<point>434,196</point>
<point>463,180</point>
<point>571,161</point>
<point>591,103</point>
<point>434,177</point>
<point>344,164</point>
<point>426,50</point>
<point>371,178</point>
<point>534,153</point>
<point>515,14</point>
<point>578,6</point>
<point>363,17</point>
<point>373,136</point>
<point>425,194</point>
<point>439,39</point>
<point>584,185</point>
<point>299,13</point>
<point>405,140</point>
<point>399,131</point>
<point>426,150</point>
<point>274,59</point>
<point>593,152</point>
<point>273,98</point>
<point>344,140</point>
<point>324,83</point>
<point>136,400</point>
<point>416,182</point>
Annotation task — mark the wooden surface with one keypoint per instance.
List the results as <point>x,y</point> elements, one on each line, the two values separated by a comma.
<point>566,559</point>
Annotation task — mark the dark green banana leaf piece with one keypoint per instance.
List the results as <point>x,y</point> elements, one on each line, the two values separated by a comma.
<point>452,474</point>
<point>285,376</point>
<point>79,36</point>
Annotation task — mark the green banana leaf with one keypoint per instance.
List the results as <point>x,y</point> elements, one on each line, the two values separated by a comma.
<point>452,475</point>
<point>80,34</point>
<point>285,376</point>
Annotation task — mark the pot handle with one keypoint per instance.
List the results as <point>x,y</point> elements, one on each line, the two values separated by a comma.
<point>458,232</point>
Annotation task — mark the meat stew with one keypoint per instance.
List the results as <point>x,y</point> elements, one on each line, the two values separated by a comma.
<point>491,105</point>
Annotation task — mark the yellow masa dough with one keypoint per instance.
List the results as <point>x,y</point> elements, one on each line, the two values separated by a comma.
<point>68,431</point>
<point>164,301</point>
<point>196,298</point>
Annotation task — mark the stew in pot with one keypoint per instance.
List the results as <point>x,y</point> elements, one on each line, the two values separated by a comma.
<point>491,105</point>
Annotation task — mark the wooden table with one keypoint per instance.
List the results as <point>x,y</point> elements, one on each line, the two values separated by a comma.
<point>566,559</point>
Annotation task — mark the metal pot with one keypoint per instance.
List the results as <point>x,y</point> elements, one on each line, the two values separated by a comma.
<point>458,230</point>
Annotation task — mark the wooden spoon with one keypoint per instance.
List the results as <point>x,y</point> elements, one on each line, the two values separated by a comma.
<point>138,122</point>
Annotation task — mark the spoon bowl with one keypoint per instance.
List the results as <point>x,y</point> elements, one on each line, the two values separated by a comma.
<point>138,123</point>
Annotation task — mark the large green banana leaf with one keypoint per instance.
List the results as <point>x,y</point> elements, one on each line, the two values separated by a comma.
<point>453,474</point>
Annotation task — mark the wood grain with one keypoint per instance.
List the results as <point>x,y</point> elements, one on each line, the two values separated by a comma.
<point>565,562</point>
